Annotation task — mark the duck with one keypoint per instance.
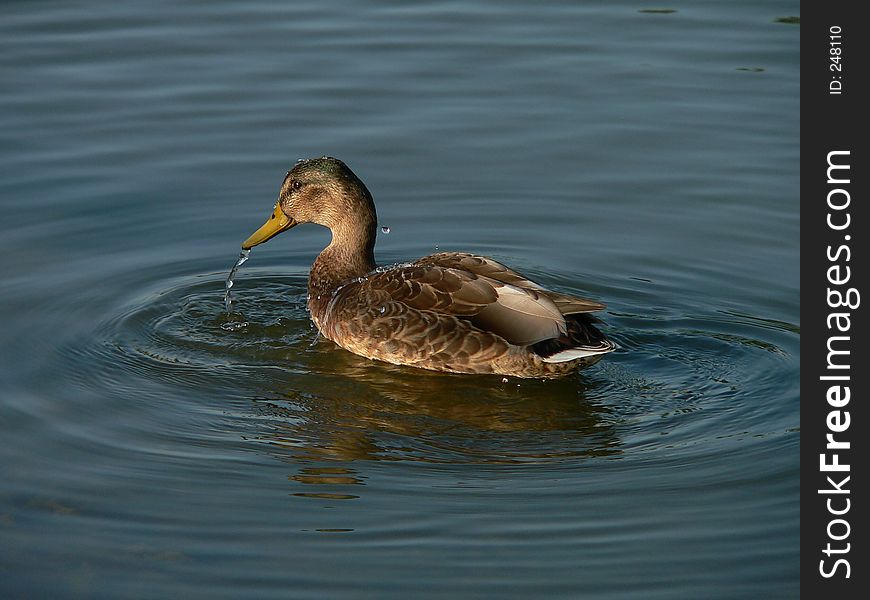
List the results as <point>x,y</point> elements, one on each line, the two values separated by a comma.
<point>453,312</point>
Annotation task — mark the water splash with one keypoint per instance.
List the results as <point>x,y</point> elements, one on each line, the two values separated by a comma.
<point>390,267</point>
<point>327,315</point>
<point>228,296</point>
<point>385,229</point>
<point>234,325</point>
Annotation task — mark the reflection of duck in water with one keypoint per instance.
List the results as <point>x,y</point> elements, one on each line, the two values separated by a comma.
<point>451,311</point>
<point>360,411</point>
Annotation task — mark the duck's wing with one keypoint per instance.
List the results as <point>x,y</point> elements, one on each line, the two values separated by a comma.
<point>521,316</point>
<point>487,267</point>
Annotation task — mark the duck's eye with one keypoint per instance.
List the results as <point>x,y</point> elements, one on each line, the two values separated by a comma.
<point>297,185</point>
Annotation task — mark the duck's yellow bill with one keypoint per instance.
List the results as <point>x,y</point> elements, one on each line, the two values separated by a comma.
<point>277,223</point>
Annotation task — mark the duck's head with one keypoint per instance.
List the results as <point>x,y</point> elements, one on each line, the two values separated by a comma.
<point>319,190</point>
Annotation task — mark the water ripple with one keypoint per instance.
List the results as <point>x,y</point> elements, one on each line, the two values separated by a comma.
<point>300,396</point>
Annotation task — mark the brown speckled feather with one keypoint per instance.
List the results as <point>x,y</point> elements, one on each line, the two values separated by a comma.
<point>482,265</point>
<point>518,315</point>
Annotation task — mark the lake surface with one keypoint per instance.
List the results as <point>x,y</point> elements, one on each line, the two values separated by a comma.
<point>641,154</point>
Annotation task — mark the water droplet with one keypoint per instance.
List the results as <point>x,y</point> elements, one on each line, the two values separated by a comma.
<point>382,310</point>
<point>385,229</point>
<point>234,325</point>
<point>504,379</point>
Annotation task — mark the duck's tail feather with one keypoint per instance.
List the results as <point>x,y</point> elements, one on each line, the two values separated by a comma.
<point>583,340</point>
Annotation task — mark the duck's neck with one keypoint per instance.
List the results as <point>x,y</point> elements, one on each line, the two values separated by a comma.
<point>350,254</point>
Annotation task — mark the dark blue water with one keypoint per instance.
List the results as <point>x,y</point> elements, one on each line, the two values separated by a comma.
<point>645,159</point>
